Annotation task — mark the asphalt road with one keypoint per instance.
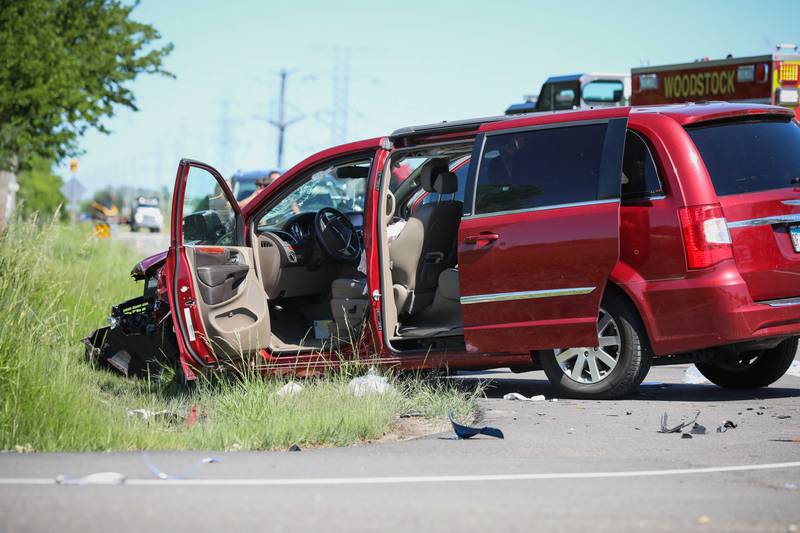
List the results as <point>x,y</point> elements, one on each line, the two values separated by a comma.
<point>565,465</point>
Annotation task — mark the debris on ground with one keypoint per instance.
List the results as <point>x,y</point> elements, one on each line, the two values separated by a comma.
<point>193,416</point>
<point>726,426</point>
<point>686,435</point>
<point>372,383</point>
<point>160,474</point>
<point>692,376</point>
<point>290,389</point>
<point>522,398</point>
<point>99,478</point>
<point>698,429</point>
<point>676,429</point>
<point>295,448</point>
<point>147,414</point>
<point>783,417</point>
<point>703,519</point>
<point>413,414</point>
<point>465,432</point>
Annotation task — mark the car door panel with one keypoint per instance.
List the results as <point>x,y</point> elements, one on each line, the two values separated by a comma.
<point>533,278</point>
<point>232,303</point>
<point>218,302</point>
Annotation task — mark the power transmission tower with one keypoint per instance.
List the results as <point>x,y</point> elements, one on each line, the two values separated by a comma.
<point>341,95</point>
<point>281,122</point>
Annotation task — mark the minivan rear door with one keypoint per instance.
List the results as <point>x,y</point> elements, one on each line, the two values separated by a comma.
<point>540,234</point>
<point>754,165</point>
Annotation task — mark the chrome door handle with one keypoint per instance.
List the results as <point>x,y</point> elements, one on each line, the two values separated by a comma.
<point>482,238</point>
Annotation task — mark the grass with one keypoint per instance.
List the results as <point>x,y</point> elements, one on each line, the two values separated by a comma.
<point>57,284</point>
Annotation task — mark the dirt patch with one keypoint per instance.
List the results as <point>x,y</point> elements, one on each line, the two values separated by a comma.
<point>414,427</point>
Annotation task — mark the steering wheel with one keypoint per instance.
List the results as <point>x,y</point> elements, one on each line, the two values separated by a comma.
<point>337,235</point>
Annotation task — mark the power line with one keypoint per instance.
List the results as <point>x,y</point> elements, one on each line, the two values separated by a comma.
<point>281,122</point>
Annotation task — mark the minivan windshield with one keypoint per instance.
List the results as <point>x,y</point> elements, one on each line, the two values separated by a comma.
<point>750,156</point>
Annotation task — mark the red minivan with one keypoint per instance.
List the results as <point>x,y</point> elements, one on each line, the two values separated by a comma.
<point>590,244</point>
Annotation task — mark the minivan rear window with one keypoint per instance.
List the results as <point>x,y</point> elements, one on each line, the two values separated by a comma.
<point>749,156</point>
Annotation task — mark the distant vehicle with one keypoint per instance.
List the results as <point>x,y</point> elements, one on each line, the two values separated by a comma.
<point>243,183</point>
<point>577,91</point>
<point>146,213</point>
<point>765,79</point>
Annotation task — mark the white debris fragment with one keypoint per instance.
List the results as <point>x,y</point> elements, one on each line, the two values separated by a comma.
<point>147,414</point>
<point>692,376</point>
<point>520,397</point>
<point>372,383</point>
<point>99,478</point>
<point>794,369</point>
<point>290,389</point>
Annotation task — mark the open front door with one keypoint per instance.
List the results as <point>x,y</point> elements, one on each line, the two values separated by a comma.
<point>218,304</point>
<point>542,236</point>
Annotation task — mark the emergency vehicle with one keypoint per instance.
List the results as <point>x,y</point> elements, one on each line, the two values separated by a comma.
<point>764,79</point>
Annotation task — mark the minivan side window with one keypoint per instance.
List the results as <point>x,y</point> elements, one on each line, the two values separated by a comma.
<point>539,168</point>
<point>639,173</point>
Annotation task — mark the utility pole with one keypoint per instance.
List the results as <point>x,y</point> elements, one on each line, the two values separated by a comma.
<point>281,122</point>
<point>341,95</point>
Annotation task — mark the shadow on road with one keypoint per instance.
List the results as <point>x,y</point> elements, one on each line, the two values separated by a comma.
<point>651,391</point>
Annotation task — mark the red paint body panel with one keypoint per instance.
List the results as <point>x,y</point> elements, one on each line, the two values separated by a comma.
<point>764,254</point>
<point>535,251</point>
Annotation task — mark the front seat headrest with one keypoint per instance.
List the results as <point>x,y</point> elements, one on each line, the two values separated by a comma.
<point>430,169</point>
<point>446,183</point>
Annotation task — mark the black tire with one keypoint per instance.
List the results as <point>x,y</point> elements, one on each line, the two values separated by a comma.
<point>752,370</point>
<point>632,365</point>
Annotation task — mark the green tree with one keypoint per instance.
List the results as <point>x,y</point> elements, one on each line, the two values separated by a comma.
<point>39,191</point>
<point>65,66</point>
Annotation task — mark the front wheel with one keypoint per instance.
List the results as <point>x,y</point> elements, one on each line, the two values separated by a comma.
<point>752,370</point>
<point>614,368</point>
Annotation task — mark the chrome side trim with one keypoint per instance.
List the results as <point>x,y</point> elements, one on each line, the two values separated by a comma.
<point>766,221</point>
<point>523,295</point>
<point>785,302</point>
<point>791,202</point>
<point>542,208</point>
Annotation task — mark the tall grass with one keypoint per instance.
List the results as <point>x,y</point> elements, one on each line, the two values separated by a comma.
<point>56,285</point>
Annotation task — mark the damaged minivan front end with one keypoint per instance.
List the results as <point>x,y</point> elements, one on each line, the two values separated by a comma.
<point>140,335</point>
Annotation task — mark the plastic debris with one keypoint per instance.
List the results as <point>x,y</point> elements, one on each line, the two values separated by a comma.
<point>295,448</point>
<point>794,369</point>
<point>99,478</point>
<point>290,389</point>
<point>520,397</point>
<point>692,376</point>
<point>686,435</point>
<point>192,417</point>
<point>146,414</point>
<point>698,429</point>
<point>726,426</point>
<point>675,429</point>
<point>372,383</point>
<point>465,432</point>
<point>783,417</point>
<point>160,474</point>
<point>703,519</point>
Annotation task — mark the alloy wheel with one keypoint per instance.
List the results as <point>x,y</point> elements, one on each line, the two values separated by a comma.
<point>592,365</point>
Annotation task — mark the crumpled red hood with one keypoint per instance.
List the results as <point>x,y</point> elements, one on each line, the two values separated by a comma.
<point>147,266</point>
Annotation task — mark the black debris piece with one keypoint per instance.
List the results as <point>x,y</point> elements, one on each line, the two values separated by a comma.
<point>295,448</point>
<point>628,412</point>
<point>676,429</point>
<point>686,435</point>
<point>726,426</point>
<point>759,413</point>
<point>698,429</point>
<point>783,417</point>
<point>465,432</point>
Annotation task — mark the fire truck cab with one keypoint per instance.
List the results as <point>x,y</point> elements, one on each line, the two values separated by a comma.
<point>765,79</point>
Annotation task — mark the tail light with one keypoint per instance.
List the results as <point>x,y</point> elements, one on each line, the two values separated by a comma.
<point>705,235</point>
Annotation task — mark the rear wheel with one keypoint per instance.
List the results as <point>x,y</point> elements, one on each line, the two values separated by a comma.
<point>613,369</point>
<point>752,370</point>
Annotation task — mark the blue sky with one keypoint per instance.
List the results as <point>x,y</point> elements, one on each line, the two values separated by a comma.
<point>410,62</point>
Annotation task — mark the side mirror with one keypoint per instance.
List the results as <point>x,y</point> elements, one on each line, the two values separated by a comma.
<point>203,227</point>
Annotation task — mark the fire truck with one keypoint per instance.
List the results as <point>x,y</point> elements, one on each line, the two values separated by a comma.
<point>764,79</point>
